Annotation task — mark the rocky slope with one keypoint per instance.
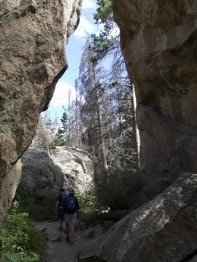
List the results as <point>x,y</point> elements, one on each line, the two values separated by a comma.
<point>32,36</point>
<point>159,43</point>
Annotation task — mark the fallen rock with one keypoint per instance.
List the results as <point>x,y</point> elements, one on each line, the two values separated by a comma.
<point>98,231</point>
<point>163,230</point>
<point>194,259</point>
<point>88,232</point>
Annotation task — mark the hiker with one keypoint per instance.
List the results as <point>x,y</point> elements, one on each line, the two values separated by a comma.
<point>60,206</point>
<point>71,208</point>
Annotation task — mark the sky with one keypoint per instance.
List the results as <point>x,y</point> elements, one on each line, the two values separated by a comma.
<point>73,52</point>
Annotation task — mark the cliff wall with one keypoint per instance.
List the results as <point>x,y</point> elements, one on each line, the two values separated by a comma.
<point>32,36</point>
<point>159,43</point>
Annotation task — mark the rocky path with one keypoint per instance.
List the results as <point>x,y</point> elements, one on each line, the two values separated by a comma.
<point>57,248</point>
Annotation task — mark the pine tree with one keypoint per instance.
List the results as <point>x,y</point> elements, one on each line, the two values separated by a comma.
<point>61,135</point>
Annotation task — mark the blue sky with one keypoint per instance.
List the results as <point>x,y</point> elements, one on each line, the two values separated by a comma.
<point>73,52</point>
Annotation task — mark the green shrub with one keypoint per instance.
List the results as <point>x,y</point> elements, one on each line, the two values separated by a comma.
<point>19,241</point>
<point>116,188</point>
<point>43,209</point>
<point>38,209</point>
<point>87,201</point>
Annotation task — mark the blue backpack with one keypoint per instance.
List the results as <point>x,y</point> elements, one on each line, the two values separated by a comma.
<point>70,204</point>
<point>62,199</point>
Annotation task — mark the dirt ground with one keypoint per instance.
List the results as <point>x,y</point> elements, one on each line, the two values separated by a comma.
<point>57,248</point>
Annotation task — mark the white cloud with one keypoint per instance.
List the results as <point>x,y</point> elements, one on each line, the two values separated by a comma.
<point>85,27</point>
<point>89,4</point>
<point>61,95</point>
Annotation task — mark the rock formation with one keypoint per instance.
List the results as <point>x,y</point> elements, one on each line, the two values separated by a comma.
<point>32,36</point>
<point>44,174</point>
<point>164,230</point>
<point>159,43</point>
<point>76,165</point>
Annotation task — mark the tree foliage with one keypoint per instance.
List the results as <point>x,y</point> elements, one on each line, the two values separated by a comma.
<point>106,110</point>
<point>106,41</point>
<point>60,138</point>
<point>116,188</point>
<point>104,11</point>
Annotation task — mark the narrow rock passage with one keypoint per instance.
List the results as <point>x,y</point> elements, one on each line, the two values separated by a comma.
<point>57,248</point>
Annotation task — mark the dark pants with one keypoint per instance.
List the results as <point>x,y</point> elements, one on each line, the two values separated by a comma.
<point>61,213</point>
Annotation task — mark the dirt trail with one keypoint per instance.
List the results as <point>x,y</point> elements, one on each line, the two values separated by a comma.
<point>57,249</point>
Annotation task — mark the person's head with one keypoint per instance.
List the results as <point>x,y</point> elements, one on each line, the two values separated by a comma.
<point>62,190</point>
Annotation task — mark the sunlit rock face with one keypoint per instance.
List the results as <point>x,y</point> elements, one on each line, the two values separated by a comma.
<point>32,37</point>
<point>44,173</point>
<point>163,230</point>
<point>159,43</point>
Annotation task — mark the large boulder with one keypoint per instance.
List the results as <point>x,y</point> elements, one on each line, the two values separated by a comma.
<point>32,36</point>
<point>76,165</point>
<point>39,173</point>
<point>44,174</point>
<point>158,40</point>
<point>163,230</point>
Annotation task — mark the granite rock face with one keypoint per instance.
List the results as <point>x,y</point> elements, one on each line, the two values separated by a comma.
<point>159,43</point>
<point>163,230</point>
<point>45,173</point>
<point>76,165</point>
<point>32,36</point>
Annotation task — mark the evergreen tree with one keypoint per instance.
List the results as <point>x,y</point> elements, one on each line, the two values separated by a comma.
<point>61,135</point>
<point>106,42</point>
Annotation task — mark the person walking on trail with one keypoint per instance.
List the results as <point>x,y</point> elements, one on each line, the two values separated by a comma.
<point>71,208</point>
<point>60,206</point>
